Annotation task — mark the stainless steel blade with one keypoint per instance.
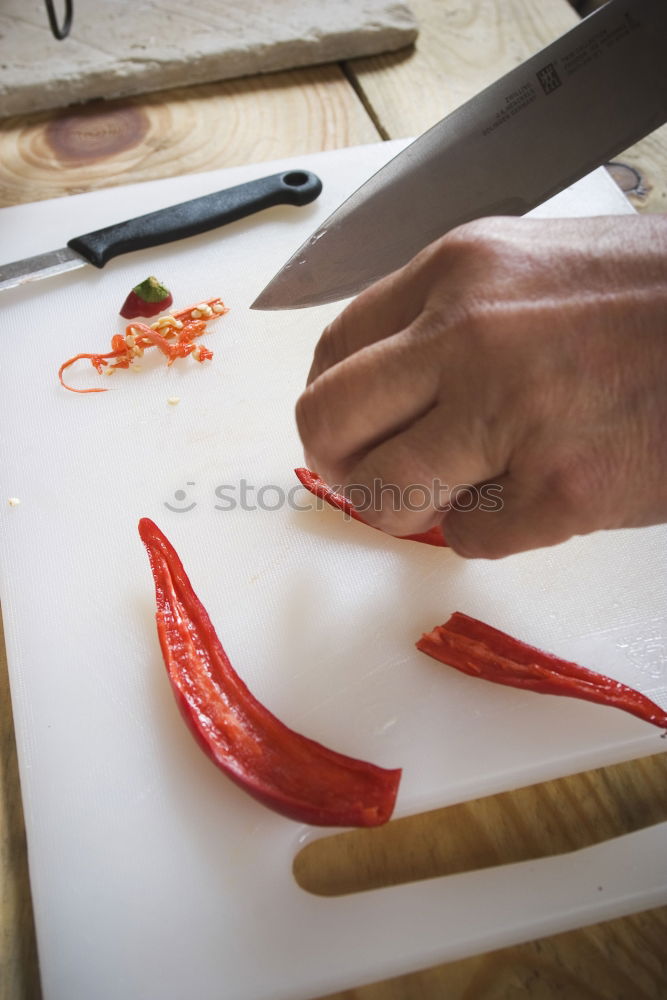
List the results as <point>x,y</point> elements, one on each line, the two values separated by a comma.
<point>570,108</point>
<point>44,265</point>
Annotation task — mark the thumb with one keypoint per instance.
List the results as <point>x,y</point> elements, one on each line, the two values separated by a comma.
<point>501,518</point>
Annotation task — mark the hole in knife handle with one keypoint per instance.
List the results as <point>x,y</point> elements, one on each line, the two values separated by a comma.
<point>525,824</point>
<point>295,178</point>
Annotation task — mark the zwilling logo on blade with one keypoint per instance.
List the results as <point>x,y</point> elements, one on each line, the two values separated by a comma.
<point>549,78</point>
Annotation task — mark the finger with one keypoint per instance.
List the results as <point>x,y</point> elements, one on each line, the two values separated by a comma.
<point>403,485</point>
<point>363,400</point>
<point>388,306</point>
<point>509,515</point>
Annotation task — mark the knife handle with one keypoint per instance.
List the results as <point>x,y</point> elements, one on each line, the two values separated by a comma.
<point>292,187</point>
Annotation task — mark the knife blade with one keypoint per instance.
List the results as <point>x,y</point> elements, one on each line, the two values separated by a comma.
<point>570,108</point>
<point>188,218</point>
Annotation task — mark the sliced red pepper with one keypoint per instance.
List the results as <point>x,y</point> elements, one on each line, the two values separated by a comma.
<point>480,650</point>
<point>172,334</point>
<point>316,485</point>
<point>288,772</point>
<point>146,299</point>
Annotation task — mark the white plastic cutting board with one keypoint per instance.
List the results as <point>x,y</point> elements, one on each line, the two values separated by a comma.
<point>153,876</point>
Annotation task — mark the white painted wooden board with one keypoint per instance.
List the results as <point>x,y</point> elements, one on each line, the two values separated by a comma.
<point>122,47</point>
<point>153,876</point>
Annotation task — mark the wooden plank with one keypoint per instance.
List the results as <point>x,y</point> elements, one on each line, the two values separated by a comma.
<point>641,172</point>
<point>178,132</point>
<point>460,50</point>
<point>19,979</point>
<point>617,960</point>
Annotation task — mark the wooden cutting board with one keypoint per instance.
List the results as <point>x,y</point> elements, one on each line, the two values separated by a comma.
<point>126,47</point>
<point>136,841</point>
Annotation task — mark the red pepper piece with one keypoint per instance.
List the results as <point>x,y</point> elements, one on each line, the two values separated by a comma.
<point>316,485</point>
<point>288,772</point>
<point>98,361</point>
<point>146,299</point>
<point>173,335</point>
<point>478,649</point>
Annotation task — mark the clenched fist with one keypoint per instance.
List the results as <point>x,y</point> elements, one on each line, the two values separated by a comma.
<point>518,362</point>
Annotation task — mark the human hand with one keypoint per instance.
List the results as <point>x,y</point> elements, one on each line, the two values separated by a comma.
<point>525,357</point>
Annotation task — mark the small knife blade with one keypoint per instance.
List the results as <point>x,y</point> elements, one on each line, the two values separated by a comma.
<point>188,218</point>
<point>580,101</point>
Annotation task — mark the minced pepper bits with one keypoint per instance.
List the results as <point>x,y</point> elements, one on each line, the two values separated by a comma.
<point>173,334</point>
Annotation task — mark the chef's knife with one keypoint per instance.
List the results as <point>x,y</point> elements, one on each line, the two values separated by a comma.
<point>563,112</point>
<point>292,187</point>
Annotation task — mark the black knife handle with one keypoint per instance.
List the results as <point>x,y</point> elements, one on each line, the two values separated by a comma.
<point>292,187</point>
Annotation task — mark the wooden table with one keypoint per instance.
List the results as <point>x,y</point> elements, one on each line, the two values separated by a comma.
<point>461,48</point>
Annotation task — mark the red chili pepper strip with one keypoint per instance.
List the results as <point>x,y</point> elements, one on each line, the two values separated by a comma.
<point>184,326</point>
<point>478,649</point>
<point>286,771</point>
<point>145,336</point>
<point>316,485</point>
<point>98,361</point>
<point>209,309</point>
<point>203,354</point>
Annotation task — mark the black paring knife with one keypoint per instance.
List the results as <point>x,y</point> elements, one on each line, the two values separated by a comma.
<point>188,218</point>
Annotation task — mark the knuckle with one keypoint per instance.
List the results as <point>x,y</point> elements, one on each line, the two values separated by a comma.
<point>316,426</point>
<point>336,341</point>
<point>326,352</point>
<point>307,416</point>
<point>477,249</point>
<point>475,297</point>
